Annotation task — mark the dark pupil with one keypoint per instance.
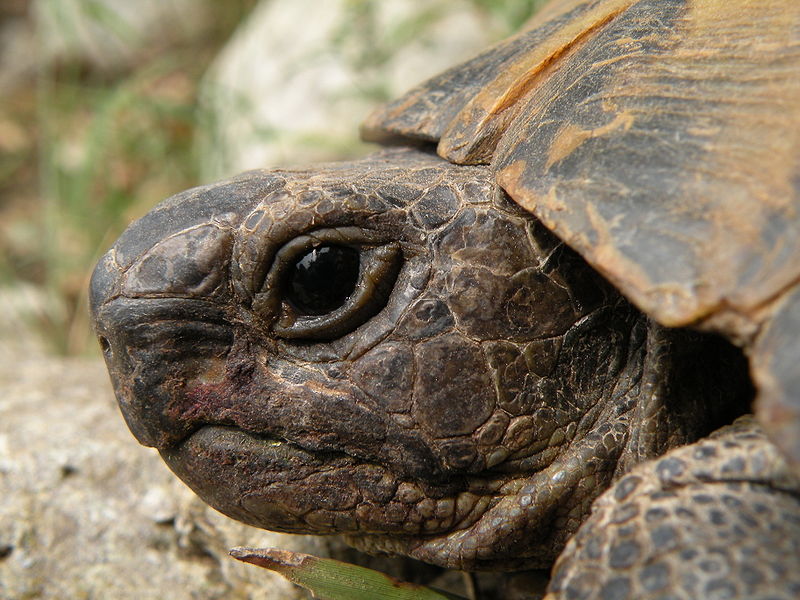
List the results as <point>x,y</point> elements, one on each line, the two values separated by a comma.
<point>322,279</point>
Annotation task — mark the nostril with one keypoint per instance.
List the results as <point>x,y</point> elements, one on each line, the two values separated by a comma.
<point>105,345</point>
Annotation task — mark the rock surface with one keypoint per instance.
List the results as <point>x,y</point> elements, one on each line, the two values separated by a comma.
<point>87,513</point>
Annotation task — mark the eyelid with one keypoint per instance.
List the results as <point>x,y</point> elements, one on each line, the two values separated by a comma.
<point>380,265</point>
<point>379,268</point>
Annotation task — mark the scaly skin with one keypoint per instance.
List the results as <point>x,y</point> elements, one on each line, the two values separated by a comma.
<point>482,388</point>
<point>716,519</point>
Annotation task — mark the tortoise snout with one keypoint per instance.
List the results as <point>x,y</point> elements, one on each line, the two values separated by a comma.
<point>160,322</point>
<point>154,348</point>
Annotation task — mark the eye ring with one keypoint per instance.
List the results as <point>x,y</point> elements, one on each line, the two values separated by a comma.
<point>379,266</point>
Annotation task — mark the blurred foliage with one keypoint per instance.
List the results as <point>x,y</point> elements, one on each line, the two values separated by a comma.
<point>83,151</point>
<point>513,13</point>
<point>96,149</point>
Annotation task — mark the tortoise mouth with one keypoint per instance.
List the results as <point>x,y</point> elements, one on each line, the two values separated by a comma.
<point>261,480</point>
<point>244,453</point>
<point>230,443</point>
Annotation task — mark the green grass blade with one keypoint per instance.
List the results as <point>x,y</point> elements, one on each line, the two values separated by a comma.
<point>330,579</point>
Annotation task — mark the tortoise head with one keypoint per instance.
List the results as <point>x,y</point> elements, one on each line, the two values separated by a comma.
<point>388,349</point>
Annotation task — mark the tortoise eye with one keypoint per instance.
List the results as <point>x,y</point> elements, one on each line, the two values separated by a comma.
<point>327,283</point>
<point>323,279</point>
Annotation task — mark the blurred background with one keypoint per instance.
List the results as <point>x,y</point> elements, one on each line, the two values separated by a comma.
<point>109,106</point>
<point>106,108</point>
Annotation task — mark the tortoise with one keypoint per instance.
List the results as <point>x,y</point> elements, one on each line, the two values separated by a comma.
<point>528,331</point>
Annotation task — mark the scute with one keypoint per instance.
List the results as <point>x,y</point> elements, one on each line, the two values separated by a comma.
<point>449,100</point>
<point>660,138</point>
<point>667,152</point>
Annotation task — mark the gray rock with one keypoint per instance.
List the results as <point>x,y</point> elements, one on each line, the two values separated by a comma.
<point>298,77</point>
<point>88,513</point>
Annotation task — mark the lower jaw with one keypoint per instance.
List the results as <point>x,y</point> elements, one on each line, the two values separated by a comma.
<point>225,466</point>
<point>278,486</point>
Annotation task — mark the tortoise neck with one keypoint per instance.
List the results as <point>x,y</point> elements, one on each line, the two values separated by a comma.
<point>691,384</point>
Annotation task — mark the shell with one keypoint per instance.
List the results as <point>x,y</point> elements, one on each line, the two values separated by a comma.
<point>661,140</point>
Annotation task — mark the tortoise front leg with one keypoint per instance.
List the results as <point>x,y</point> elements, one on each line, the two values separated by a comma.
<point>716,519</point>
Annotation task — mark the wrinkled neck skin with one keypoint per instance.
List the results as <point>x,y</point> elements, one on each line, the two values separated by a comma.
<point>479,388</point>
<point>648,395</point>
